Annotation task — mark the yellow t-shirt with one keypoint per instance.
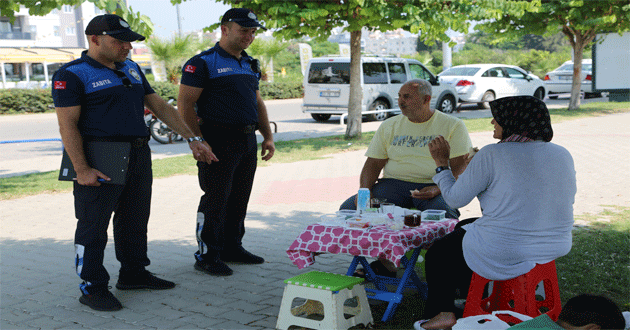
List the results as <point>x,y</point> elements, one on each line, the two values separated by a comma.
<point>405,145</point>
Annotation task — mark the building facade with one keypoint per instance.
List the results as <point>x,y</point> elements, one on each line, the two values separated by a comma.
<point>33,47</point>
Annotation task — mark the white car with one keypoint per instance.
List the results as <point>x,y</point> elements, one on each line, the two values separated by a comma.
<point>560,80</point>
<point>482,83</point>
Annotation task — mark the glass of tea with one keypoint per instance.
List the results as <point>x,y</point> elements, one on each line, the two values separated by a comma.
<point>413,219</point>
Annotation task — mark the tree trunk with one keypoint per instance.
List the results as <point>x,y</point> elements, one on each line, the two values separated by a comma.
<point>353,130</point>
<point>578,40</point>
<point>578,54</point>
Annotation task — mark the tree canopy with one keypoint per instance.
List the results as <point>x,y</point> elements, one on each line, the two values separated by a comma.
<point>579,20</point>
<point>294,19</point>
<point>139,23</point>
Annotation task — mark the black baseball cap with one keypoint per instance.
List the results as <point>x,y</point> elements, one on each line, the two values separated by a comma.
<point>243,17</point>
<point>112,25</point>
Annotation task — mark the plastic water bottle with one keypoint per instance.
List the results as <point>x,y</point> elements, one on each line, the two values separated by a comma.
<point>363,199</point>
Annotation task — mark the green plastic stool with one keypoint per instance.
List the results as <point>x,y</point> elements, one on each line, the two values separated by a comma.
<point>331,290</point>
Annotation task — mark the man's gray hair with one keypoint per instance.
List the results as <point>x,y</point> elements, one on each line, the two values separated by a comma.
<point>424,87</point>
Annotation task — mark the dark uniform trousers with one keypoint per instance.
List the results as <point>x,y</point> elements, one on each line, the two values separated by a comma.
<point>227,185</point>
<point>130,204</point>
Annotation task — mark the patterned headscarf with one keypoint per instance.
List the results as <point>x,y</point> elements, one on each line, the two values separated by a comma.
<point>523,118</point>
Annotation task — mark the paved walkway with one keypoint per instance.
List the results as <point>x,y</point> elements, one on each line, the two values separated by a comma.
<point>40,290</point>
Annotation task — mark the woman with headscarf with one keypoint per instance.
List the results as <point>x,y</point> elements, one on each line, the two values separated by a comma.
<point>526,188</point>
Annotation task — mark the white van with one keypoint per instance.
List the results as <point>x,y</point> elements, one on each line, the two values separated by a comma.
<point>327,86</point>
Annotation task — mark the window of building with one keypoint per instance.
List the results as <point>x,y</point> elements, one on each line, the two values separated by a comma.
<point>5,26</point>
<point>13,72</point>
<point>37,71</point>
<point>56,31</point>
<point>67,9</point>
<point>71,30</point>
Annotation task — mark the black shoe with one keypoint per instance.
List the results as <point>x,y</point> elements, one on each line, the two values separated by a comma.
<point>143,280</point>
<point>216,268</point>
<point>241,256</point>
<point>100,299</point>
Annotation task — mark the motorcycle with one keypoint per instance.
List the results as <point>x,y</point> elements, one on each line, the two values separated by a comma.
<point>160,131</point>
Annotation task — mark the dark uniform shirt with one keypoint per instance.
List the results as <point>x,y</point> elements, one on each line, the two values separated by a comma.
<point>112,101</point>
<point>229,86</point>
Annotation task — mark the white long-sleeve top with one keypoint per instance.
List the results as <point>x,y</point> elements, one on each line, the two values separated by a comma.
<point>526,192</point>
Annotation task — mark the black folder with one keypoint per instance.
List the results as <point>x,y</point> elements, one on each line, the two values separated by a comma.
<point>111,158</point>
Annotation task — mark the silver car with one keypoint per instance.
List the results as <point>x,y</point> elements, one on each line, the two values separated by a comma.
<point>560,80</point>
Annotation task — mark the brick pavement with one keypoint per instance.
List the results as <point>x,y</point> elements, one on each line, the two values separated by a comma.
<point>39,288</point>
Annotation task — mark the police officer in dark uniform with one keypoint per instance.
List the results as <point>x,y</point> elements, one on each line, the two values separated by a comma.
<point>223,83</point>
<point>101,97</point>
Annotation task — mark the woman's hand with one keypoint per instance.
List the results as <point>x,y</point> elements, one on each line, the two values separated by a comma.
<point>440,151</point>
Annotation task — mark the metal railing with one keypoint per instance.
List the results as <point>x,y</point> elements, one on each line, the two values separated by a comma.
<point>343,116</point>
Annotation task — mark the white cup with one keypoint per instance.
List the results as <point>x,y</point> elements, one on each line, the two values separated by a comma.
<point>387,208</point>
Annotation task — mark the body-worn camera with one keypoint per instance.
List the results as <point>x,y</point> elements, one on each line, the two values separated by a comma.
<point>256,66</point>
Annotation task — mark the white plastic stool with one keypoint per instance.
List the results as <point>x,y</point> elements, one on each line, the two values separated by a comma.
<point>332,290</point>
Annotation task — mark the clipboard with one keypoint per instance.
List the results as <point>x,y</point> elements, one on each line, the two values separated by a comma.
<point>111,158</point>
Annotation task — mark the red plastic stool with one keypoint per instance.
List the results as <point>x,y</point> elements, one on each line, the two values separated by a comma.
<point>517,294</point>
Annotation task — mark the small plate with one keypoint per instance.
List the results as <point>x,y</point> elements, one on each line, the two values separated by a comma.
<point>348,214</point>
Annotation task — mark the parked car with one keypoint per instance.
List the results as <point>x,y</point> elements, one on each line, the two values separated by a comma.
<point>482,83</point>
<point>327,86</point>
<point>560,79</point>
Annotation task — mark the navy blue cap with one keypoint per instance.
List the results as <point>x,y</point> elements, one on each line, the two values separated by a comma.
<point>112,25</point>
<point>243,17</point>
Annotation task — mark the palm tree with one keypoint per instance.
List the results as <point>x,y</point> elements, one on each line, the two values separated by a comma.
<point>173,53</point>
<point>266,50</point>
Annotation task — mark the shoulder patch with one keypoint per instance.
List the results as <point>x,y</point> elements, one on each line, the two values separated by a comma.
<point>60,85</point>
<point>134,74</point>
<point>190,68</point>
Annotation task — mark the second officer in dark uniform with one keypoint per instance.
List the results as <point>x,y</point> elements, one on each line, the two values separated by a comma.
<point>223,83</point>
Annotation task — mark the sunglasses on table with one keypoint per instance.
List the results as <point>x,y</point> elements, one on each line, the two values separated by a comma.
<point>125,80</point>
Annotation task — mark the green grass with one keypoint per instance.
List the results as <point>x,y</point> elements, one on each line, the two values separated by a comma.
<point>599,262</point>
<point>32,184</point>
<point>286,152</point>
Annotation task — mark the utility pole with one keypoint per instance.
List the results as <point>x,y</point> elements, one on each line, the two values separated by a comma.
<point>179,21</point>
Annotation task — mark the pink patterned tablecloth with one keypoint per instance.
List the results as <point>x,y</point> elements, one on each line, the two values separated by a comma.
<point>377,242</point>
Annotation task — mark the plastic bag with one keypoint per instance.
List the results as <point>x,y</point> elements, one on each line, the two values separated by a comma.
<point>490,321</point>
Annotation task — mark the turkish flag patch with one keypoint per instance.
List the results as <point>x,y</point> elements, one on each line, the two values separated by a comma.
<point>60,85</point>
<point>190,69</point>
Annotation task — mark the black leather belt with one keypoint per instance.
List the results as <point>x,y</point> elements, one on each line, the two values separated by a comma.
<point>136,142</point>
<point>243,129</point>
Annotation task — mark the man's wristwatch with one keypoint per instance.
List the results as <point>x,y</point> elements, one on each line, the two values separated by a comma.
<point>441,168</point>
<point>195,138</point>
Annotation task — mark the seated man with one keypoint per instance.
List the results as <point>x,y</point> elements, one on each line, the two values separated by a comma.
<point>400,149</point>
<point>581,312</point>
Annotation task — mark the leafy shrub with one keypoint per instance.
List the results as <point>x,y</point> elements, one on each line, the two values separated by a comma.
<point>166,90</point>
<point>281,89</point>
<point>16,100</point>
